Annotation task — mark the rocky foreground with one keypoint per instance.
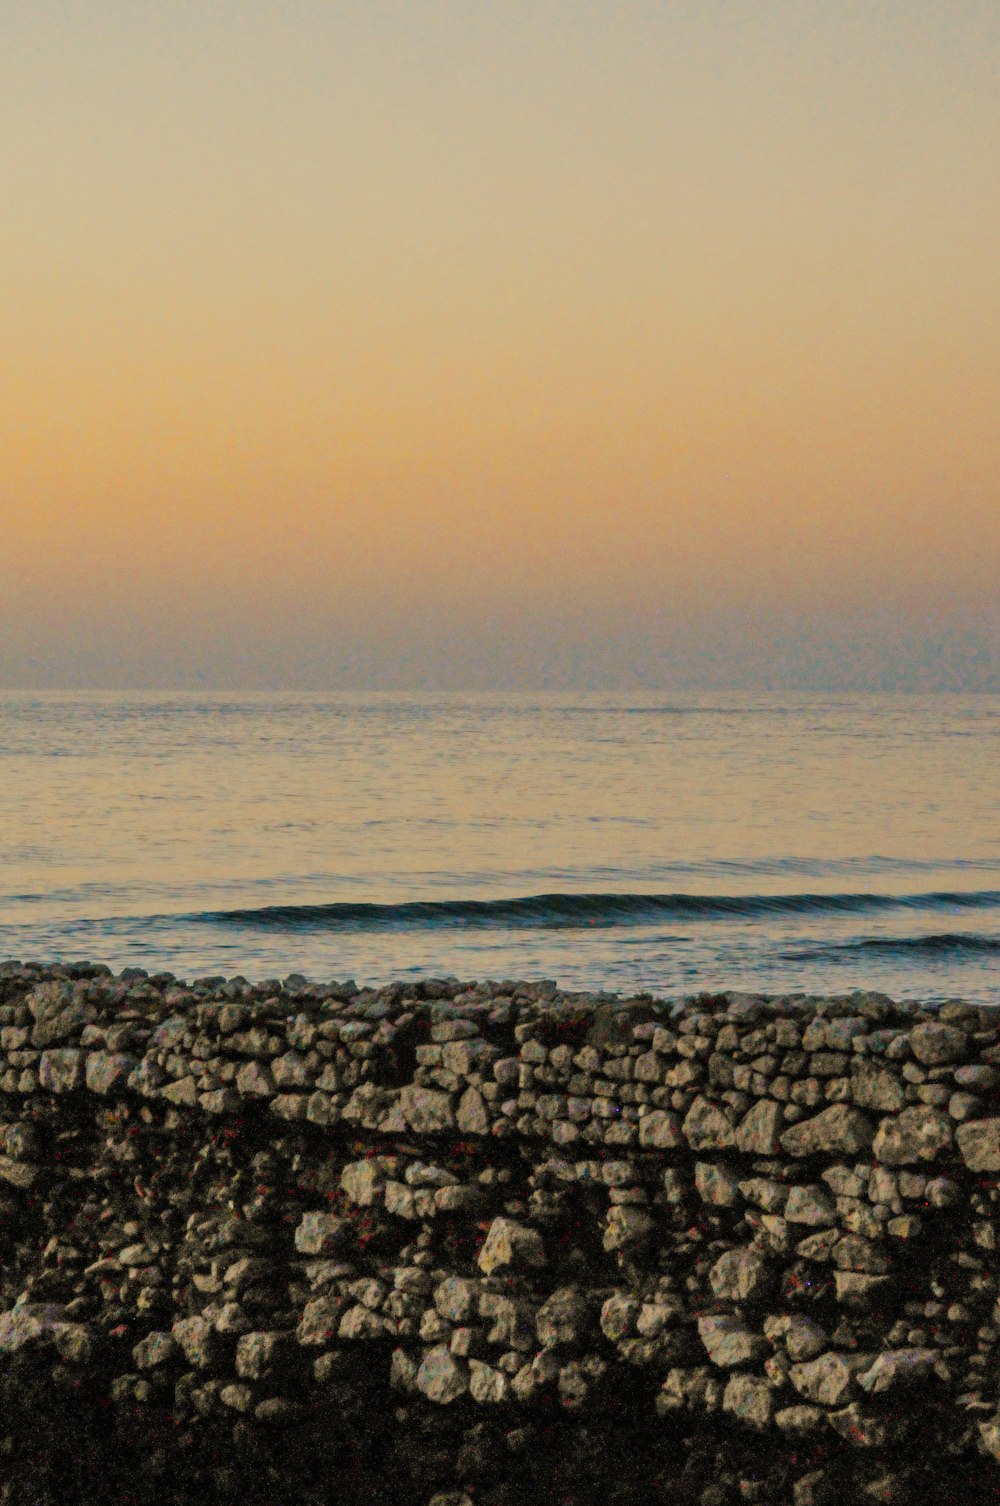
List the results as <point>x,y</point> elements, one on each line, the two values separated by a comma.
<point>493,1244</point>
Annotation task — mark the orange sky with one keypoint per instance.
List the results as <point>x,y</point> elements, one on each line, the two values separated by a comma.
<point>446,343</point>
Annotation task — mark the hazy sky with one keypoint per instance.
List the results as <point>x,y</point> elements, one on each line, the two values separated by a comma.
<point>468,344</point>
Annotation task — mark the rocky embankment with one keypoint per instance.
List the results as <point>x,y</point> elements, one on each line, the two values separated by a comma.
<point>493,1244</point>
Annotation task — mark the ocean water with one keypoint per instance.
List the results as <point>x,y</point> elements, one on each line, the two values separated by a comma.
<point>654,842</point>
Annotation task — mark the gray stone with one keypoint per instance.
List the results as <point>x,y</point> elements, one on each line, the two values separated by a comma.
<point>750,1399</point>
<point>183,1092</point>
<point>318,1233</point>
<point>157,1348</point>
<point>472,1118</point>
<point>706,1127</point>
<point>811,1205</point>
<point>660,1130</point>
<point>441,1377</point>
<point>320,1320</point>
<point>917,1134</point>
<point>933,1044</point>
<point>488,1386</point>
<point>729,1342</point>
<point>562,1318</point>
<point>108,1071</point>
<point>872,1087</point>
<point>855,1289</point>
<point>618,1316</point>
<point>455,1298</point>
<point>510,1245</point>
<point>740,1275</point>
<point>898,1367</point>
<point>716,1184</point>
<point>800,1421</point>
<point>826,1380</point>
<point>626,1226</point>
<point>839,1129</point>
<point>263,1355</point>
<point>202,1345</point>
<point>979,1143</point>
<point>804,1339</point>
<point>363,1182</point>
<point>427,1111</point>
<point>758,1130</point>
<point>61,1071</point>
<point>255,1080</point>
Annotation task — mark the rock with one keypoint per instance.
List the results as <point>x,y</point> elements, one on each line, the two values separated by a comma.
<point>260,1356</point>
<point>277,1410</point>
<point>874,1088</point>
<point>618,1316</point>
<point>254,1080</point>
<point>18,1173</point>
<point>157,1348</point>
<point>729,1342</point>
<point>979,1143</point>
<point>839,1129</point>
<point>202,1345</point>
<point>183,1092</point>
<point>804,1339</point>
<point>402,1371</point>
<point>799,1422</point>
<point>61,1071</point>
<point>320,1320</point>
<point>220,1101</point>
<point>854,1289</point>
<point>750,1399</point>
<point>826,1380</point>
<point>810,1205</point>
<point>472,1118</point>
<point>934,1044</point>
<point>486,1385</point>
<point>31,1323</point>
<point>716,1184</point>
<point>898,1367</point>
<point>758,1131</point>
<point>816,1488</point>
<point>707,1128</point>
<point>861,1430</point>
<point>441,1377</point>
<point>319,1233</point>
<point>108,1071</point>
<point>510,1245</point>
<point>660,1130</point>
<point>427,1111</point>
<point>363,1182</point>
<point>562,1319</point>
<point>238,1396</point>
<point>626,1226</point>
<point>740,1275</point>
<point>455,1298</point>
<point>917,1134</point>
<point>853,1252</point>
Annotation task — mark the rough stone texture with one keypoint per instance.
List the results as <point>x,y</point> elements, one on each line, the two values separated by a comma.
<point>839,1130</point>
<point>979,1143</point>
<point>492,1243</point>
<point>917,1134</point>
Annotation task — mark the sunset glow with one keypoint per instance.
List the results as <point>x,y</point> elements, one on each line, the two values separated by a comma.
<point>452,343</point>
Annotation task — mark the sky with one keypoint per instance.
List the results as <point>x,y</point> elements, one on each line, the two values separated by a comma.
<point>456,345</point>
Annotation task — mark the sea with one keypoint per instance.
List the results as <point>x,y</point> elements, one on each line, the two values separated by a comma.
<point>670,844</point>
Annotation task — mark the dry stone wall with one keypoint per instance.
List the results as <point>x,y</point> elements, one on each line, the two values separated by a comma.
<point>479,1244</point>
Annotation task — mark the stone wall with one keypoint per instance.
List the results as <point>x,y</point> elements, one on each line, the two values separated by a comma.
<point>493,1244</point>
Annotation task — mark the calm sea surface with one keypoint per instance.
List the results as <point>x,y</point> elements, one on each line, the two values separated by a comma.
<point>779,843</point>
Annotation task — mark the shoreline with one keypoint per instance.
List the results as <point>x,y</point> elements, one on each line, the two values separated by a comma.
<point>435,1243</point>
